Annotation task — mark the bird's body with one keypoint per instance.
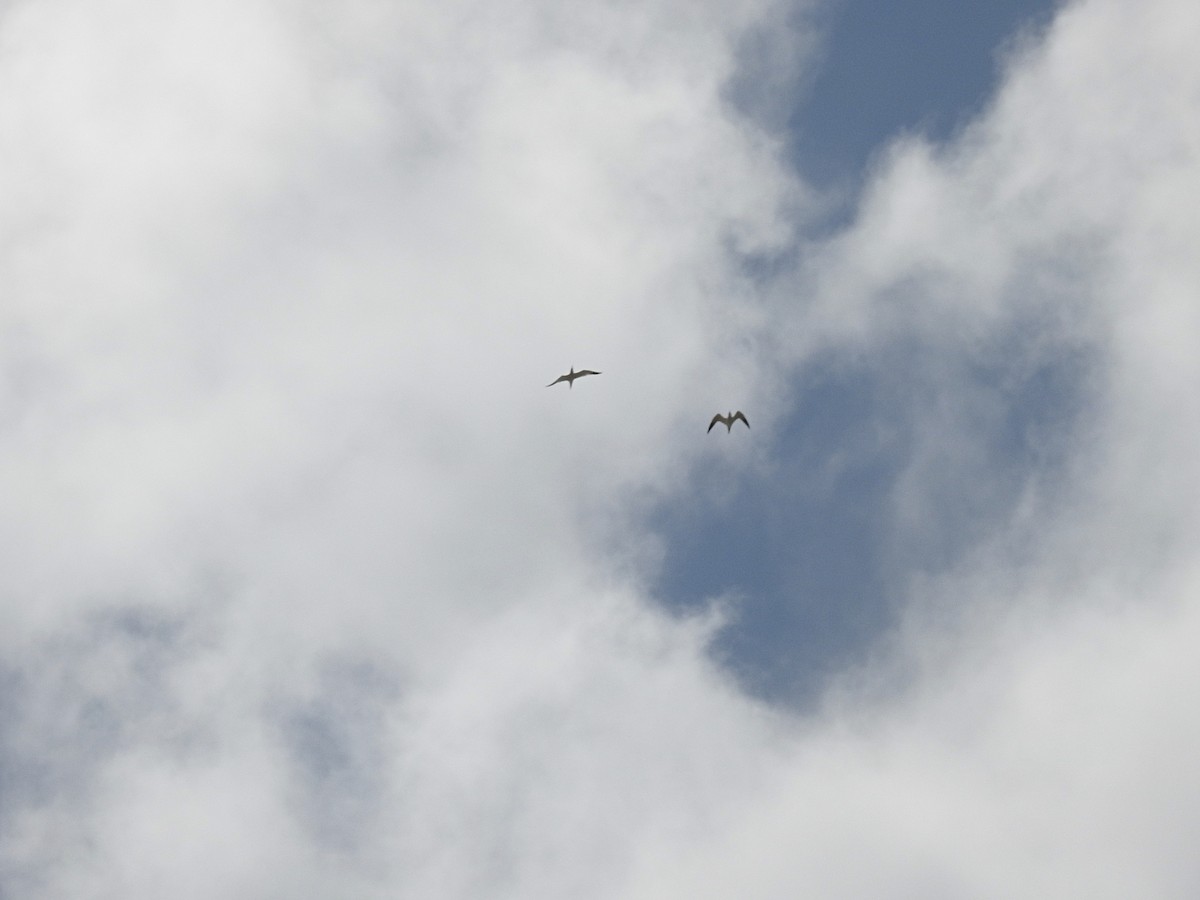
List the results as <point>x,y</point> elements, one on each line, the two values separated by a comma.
<point>570,377</point>
<point>727,420</point>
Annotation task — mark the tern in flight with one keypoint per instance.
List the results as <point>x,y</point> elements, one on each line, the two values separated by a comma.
<point>727,420</point>
<point>570,377</point>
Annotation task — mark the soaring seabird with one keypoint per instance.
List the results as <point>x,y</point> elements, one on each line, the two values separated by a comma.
<point>727,420</point>
<point>570,377</point>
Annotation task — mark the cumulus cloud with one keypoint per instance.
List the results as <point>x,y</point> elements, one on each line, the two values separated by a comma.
<point>311,588</point>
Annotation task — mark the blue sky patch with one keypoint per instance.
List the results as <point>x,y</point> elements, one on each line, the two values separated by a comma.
<point>888,68</point>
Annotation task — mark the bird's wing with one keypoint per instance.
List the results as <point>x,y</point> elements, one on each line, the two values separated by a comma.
<point>557,380</point>
<point>587,372</point>
<point>717,418</point>
<point>740,415</point>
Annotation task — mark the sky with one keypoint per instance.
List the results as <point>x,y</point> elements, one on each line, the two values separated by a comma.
<point>880,70</point>
<point>309,587</point>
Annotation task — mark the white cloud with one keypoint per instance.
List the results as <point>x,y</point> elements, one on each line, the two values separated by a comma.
<point>310,587</point>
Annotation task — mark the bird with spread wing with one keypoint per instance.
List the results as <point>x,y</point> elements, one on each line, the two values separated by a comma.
<point>727,420</point>
<point>570,377</point>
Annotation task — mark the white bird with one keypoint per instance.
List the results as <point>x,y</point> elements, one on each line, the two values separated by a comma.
<point>727,420</point>
<point>570,377</point>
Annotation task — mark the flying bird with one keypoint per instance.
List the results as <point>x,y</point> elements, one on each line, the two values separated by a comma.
<point>570,377</point>
<point>727,420</point>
